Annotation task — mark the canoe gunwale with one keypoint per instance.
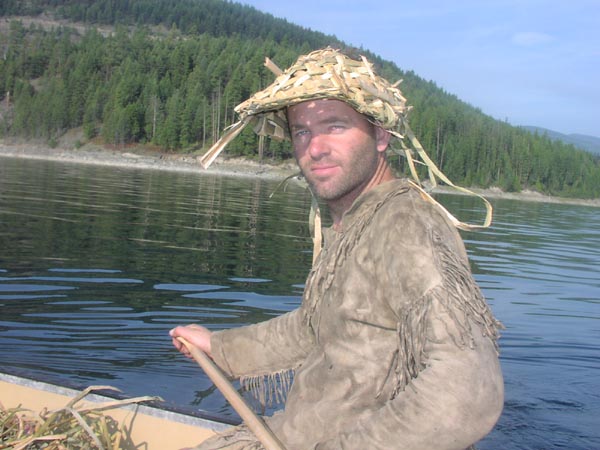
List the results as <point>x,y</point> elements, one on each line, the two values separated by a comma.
<point>198,419</point>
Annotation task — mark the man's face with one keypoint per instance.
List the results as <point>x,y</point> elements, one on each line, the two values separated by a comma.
<point>337,148</point>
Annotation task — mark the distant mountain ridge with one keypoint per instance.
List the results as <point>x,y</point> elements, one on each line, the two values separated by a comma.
<point>582,141</point>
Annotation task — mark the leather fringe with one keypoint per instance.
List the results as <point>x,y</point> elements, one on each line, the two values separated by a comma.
<point>269,389</point>
<point>460,297</point>
<point>321,276</point>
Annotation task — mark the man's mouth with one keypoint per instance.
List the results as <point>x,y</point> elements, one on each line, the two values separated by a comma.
<point>323,170</point>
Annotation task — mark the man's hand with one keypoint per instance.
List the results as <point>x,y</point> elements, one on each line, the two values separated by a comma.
<point>196,335</point>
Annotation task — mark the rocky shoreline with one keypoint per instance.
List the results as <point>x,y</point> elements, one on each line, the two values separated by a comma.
<point>139,157</point>
<point>146,159</point>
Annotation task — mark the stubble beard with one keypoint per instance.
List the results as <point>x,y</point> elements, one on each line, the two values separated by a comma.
<point>350,180</point>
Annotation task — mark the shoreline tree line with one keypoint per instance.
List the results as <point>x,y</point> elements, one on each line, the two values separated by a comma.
<point>171,72</point>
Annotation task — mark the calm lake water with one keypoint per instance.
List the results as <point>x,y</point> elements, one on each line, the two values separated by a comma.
<point>97,264</point>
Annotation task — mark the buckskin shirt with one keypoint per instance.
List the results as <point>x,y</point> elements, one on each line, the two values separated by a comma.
<point>393,347</point>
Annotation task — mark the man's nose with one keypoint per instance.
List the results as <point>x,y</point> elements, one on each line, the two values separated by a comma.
<point>318,146</point>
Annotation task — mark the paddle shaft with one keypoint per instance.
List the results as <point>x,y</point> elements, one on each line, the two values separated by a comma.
<point>254,423</point>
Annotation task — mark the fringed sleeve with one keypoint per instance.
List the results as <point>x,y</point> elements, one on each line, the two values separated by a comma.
<point>265,355</point>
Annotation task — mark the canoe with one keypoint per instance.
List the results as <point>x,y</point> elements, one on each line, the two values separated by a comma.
<point>151,427</point>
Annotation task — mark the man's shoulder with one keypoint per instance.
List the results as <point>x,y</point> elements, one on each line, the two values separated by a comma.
<point>402,208</point>
<point>407,201</point>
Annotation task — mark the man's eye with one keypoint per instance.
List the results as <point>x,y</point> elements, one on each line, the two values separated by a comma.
<point>300,133</point>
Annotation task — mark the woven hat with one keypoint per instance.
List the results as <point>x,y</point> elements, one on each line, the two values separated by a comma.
<point>330,74</point>
<point>322,74</point>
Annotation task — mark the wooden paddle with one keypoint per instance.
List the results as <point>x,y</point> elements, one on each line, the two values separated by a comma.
<point>254,422</point>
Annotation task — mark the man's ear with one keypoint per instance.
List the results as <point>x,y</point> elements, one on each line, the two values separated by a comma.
<point>382,138</point>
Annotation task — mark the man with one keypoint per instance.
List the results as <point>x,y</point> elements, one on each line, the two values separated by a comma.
<point>393,346</point>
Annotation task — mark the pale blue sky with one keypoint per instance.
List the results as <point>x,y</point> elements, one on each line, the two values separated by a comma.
<point>530,62</point>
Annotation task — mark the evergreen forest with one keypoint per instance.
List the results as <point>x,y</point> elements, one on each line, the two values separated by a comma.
<point>168,73</point>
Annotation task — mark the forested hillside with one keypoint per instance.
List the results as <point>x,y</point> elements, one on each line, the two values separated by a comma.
<point>169,73</point>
